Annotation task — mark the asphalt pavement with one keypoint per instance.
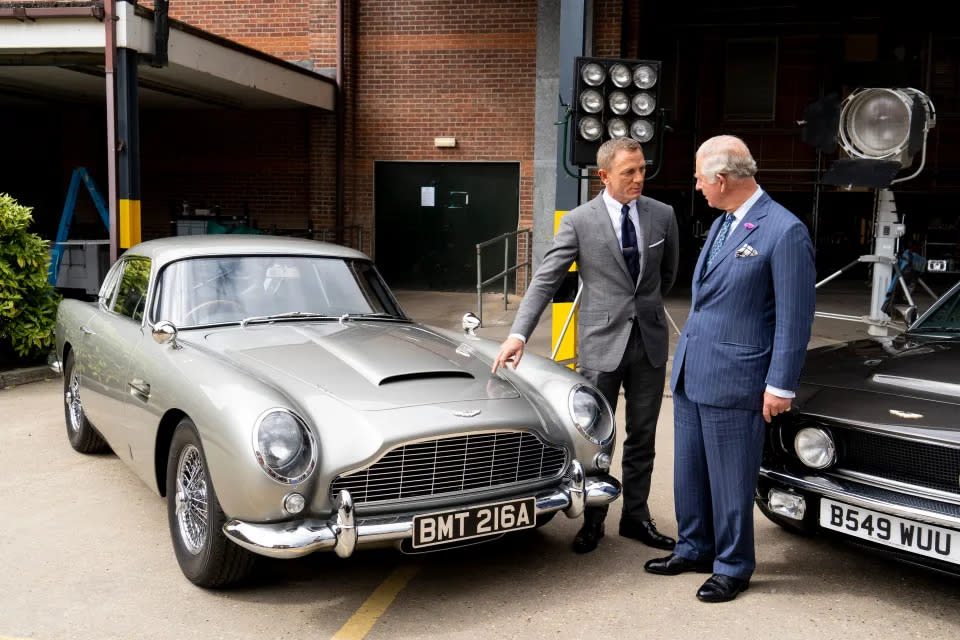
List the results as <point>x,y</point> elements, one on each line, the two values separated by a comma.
<point>85,553</point>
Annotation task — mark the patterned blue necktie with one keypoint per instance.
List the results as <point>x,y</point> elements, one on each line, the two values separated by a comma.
<point>628,243</point>
<point>721,236</point>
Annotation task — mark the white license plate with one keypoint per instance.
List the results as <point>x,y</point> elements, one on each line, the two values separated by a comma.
<point>936,265</point>
<point>915,537</point>
<point>474,522</point>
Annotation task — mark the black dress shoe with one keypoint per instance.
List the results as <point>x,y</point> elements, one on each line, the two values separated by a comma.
<point>646,532</point>
<point>721,588</point>
<point>674,565</point>
<point>587,538</point>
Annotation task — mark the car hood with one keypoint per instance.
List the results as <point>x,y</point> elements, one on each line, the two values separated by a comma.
<point>903,383</point>
<point>368,365</point>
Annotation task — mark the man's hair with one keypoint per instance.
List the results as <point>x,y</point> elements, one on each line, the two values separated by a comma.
<point>610,148</point>
<point>728,155</point>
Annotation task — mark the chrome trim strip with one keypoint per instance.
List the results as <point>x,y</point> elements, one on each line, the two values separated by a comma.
<point>825,487</point>
<point>900,487</point>
<point>294,539</point>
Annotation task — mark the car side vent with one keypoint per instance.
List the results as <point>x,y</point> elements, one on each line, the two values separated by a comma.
<point>426,375</point>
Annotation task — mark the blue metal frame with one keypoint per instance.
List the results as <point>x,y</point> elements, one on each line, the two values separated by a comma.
<point>66,217</point>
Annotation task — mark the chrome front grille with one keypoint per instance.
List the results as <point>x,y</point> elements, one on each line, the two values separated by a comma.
<point>454,464</point>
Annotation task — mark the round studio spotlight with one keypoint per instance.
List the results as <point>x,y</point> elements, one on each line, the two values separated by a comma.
<point>878,124</point>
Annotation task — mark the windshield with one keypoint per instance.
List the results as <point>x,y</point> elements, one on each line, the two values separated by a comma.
<point>229,289</point>
<point>945,318</point>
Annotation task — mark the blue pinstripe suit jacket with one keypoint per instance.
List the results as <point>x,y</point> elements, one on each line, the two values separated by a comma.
<point>750,316</point>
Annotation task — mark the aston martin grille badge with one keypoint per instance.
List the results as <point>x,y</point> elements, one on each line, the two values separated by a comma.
<point>906,415</point>
<point>467,414</point>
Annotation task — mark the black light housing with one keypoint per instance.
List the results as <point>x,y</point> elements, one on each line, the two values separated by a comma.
<point>629,92</point>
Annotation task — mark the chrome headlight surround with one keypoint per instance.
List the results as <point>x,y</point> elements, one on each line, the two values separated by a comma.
<point>299,463</point>
<point>597,428</point>
<point>815,448</point>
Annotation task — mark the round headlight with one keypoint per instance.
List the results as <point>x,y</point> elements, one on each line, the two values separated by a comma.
<point>620,75</point>
<point>619,102</point>
<point>644,76</point>
<point>284,446</point>
<point>641,130</point>
<point>815,448</point>
<point>617,128</point>
<point>643,104</point>
<point>591,101</point>
<point>593,74</point>
<point>590,128</point>
<point>591,414</point>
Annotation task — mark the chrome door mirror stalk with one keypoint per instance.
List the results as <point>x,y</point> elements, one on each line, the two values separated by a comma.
<point>470,323</point>
<point>164,332</point>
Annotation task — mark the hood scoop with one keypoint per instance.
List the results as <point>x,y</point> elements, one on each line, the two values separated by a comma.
<point>425,375</point>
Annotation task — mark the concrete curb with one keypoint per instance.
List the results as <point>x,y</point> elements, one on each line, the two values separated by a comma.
<point>15,377</point>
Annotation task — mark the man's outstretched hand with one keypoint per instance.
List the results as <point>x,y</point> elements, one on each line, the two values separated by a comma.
<point>510,353</point>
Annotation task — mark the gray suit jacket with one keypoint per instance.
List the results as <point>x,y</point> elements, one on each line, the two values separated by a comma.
<point>611,301</point>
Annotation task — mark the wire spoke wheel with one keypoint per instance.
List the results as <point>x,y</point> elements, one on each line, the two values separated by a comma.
<point>192,505</point>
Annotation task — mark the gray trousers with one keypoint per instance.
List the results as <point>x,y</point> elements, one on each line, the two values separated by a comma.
<point>643,392</point>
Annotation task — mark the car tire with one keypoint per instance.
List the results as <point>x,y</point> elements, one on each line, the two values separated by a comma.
<point>206,557</point>
<point>82,435</point>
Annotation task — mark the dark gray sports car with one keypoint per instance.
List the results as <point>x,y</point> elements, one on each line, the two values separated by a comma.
<point>872,447</point>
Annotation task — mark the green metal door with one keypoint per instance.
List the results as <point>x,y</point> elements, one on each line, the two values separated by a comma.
<point>431,215</point>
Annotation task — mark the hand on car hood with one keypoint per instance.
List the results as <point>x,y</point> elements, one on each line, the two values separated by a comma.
<point>368,365</point>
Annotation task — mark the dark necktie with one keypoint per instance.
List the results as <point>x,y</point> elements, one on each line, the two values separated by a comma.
<point>721,236</point>
<point>628,243</point>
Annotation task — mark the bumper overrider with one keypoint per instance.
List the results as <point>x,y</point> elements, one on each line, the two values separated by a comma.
<point>344,532</point>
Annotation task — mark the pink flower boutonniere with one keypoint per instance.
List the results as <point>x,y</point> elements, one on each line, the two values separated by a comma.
<point>749,226</point>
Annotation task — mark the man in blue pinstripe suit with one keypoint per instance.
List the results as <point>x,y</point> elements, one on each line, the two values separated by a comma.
<point>737,364</point>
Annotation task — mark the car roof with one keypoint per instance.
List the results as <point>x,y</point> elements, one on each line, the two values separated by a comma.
<point>166,250</point>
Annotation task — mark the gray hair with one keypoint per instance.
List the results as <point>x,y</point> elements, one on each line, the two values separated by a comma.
<point>609,149</point>
<point>728,155</point>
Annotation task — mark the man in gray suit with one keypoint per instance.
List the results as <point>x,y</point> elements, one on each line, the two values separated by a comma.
<point>626,250</point>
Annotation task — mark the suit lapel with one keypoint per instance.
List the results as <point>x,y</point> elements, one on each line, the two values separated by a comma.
<point>643,214</point>
<point>744,228</point>
<point>609,237</point>
<point>704,252</point>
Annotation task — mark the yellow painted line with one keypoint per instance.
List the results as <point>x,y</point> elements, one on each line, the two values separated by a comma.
<point>360,623</point>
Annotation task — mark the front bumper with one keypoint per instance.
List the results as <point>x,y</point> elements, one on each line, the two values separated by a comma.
<point>344,532</point>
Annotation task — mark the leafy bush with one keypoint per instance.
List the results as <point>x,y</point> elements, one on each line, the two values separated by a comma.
<point>28,303</point>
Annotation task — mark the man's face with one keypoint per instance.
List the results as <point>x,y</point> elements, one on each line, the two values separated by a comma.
<point>624,180</point>
<point>712,192</point>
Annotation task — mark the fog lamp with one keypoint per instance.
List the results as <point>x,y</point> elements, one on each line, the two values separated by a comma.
<point>602,461</point>
<point>293,503</point>
<point>815,447</point>
<point>791,505</point>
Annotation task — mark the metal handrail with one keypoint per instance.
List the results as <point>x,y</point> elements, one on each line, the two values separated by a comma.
<point>505,238</point>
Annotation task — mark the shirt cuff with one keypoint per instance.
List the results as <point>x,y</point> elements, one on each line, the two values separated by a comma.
<point>519,337</point>
<point>781,393</point>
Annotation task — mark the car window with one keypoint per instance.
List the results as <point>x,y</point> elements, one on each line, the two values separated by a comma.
<point>945,316</point>
<point>132,290</point>
<point>227,289</point>
<point>109,287</point>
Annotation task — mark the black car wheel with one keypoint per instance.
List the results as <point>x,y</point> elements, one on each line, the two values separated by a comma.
<point>81,434</point>
<point>206,557</point>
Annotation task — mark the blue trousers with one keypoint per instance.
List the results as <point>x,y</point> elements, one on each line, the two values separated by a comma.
<point>717,454</point>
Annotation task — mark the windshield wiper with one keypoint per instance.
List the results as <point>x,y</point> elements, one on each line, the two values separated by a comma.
<point>370,316</point>
<point>281,316</point>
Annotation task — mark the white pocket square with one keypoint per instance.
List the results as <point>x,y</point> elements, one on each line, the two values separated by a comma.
<point>746,251</point>
<point>660,241</point>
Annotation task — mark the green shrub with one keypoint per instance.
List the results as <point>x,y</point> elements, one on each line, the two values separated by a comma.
<point>28,303</point>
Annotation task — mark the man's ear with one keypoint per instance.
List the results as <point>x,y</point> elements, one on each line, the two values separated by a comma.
<point>722,179</point>
<point>603,175</point>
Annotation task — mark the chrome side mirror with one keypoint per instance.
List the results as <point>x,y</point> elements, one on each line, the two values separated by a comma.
<point>164,332</point>
<point>470,323</point>
<point>908,313</point>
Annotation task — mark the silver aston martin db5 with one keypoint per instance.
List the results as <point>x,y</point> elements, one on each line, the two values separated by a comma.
<point>275,392</point>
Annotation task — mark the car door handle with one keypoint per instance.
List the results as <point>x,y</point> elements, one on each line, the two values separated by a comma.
<point>89,332</point>
<point>140,387</point>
